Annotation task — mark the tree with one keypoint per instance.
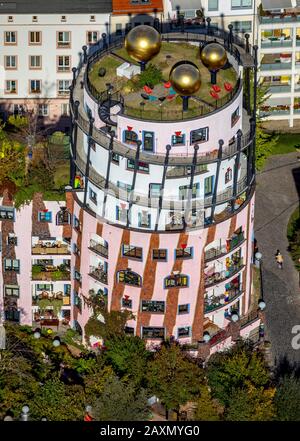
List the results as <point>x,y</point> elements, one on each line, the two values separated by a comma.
<point>151,76</point>
<point>287,399</point>
<point>235,368</point>
<point>12,159</point>
<point>119,401</point>
<point>173,377</point>
<point>207,409</point>
<point>251,404</point>
<point>58,402</point>
<point>128,356</point>
<point>113,323</point>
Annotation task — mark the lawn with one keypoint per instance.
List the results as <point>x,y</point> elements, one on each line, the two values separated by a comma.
<point>169,54</point>
<point>293,235</point>
<point>287,143</point>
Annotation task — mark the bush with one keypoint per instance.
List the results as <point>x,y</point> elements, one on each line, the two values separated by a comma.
<point>151,76</point>
<point>102,72</point>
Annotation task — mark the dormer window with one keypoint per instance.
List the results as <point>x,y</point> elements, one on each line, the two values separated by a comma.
<point>63,18</point>
<point>34,18</point>
<point>92,18</point>
<point>10,18</point>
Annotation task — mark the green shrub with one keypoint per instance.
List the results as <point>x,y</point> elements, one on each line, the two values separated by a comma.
<point>102,72</point>
<point>152,75</point>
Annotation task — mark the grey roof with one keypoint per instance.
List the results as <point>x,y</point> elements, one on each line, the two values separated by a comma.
<point>55,6</point>
<point>276,4</point>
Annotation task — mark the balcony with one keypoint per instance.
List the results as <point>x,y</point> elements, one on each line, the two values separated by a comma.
<point>50,248</point>
<point>274,42</point>
<point>98,273</point>
<point>99,248</point>
<point>267,17</point>
<point>277,88</point>
<point>218,277</point>
<point>275,66</point>
<point>215,253</point>
<point>50,272</point>
<point>216,302</point>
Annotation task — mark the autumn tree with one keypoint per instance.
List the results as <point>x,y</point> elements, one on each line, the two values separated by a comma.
<point>12,159</point>
<point>172,377</point>
<point>287,399</point>
<point>207,408</point>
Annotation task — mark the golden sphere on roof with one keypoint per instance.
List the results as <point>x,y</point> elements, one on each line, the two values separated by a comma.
<point>142,43</point>
<point>185,78</point>
<point>213,56</point>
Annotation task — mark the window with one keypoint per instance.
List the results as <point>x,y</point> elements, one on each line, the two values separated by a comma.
<point>184,253</point>
<point>35,37</point>
<point>12,239</point>
<point>153,333</point>
<point>43,110</point>
<point>7,213</point>
<point>12,314</point>
<point>199,135</point>
<point>129,330</point>
<point>45,216</point>
<point>10,37</point>
<point>155,190</point>
<point>63,18</point>
<point>242,26</point>
<point>176,280</point>
<point>63,63</point>
<point>63,217</point>
<point>115,158</point>
<point>10,62</point>
<point>213,5</point>
<point>184,332</point>
<point>10,18</point>
<point>178,139</point>
<point>142,166</point>
<point>35,62</point>
<point>185,191</point>
<point>76,223</point>
<point>92,18</point>
<point>154,306</point>
<point>63,39</point>
<point>184,309</point>
<point>144,219</point>
<point>159,254</point>
<point>235,117</point>
<point>121,214</point>
<point>34,18</point>
<point>12,290</point>
<point>92,37</point>
<point>11,86</point>
<point>119,29</point>
<point>208,185</point>
<point>228,175</point>
<point>65,111</point>
<point>125,187</point>
<point>12,265</point>
<point>132,252</point>
<point>35,86</point>
<point>64,87</point>
<point>130,137</point>
<point>93,196</point>
<point>77,275</point>
<point>148,141</point>
<point>126,303</point>
<point>76,249</point>
<point>239,4</point>
<point>128,277</point>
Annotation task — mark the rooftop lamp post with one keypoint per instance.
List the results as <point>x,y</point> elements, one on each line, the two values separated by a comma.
<point>214,57</point>
<point>25,413</point>
<point>142,43</point>
<point>56,341</point>
<point>186,81</point>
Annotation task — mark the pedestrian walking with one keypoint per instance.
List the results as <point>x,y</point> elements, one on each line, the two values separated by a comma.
<point>279,259</point>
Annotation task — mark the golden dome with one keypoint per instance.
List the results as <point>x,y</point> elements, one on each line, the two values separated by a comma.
<point>213,56</point>
<point>143,42</point>
<point>185,78</point>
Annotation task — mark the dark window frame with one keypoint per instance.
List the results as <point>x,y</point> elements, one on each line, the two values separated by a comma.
<point>159,258</point>
<point>182,253</point>
<point>133,252</point>
<point>161,306</point>
<point>199,141</point>
<point>126,281</point>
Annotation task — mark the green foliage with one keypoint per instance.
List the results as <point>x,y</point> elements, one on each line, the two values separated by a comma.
<point>207,409</point>
<point>251,404</point>
<point>19,122</point>
<point>57,402</point>
<point>114,324</point>
<point>12,159</point>
<point>293,235</point>
<point>265,144</point>
<point>119,401</point>
<point>151,76</point>
<point>59,138</point>
<point>128,356</point>
<point>173,377</point>
<point>287,399</point>
<point>233,369</point>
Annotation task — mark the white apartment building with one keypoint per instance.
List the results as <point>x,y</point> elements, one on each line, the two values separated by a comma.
<point>279,56</point>
<point>40,43</point>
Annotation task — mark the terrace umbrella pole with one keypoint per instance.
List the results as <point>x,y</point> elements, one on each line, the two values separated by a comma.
<point>143,65</point>
<point>213,77</point>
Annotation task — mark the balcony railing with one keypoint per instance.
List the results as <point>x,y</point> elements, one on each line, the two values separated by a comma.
<point>50,248</point>
<point>215,253</point>
<point>280,88</point>
<point>279,18</point>
<point>50,273</point>
<point>219,277</point>
<point>217,302</point>
<point>99,248</point>
<point>275,66</point>
<point>276,43</point>
<point>98,273</point>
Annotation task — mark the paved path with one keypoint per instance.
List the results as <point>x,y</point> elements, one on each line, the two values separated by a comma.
<point>277,196</point>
